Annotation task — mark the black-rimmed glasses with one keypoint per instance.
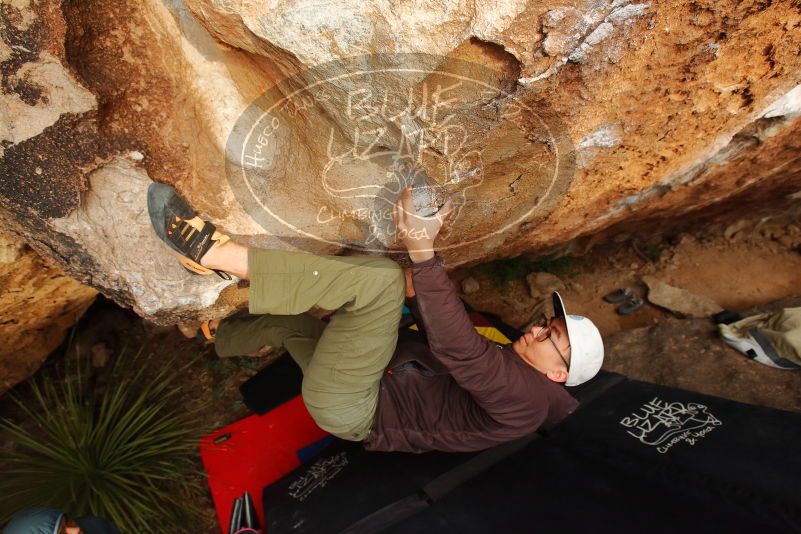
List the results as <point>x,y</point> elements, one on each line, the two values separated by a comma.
<point>545,333</point>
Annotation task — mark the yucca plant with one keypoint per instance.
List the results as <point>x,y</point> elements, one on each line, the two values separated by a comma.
<point>127,454</point>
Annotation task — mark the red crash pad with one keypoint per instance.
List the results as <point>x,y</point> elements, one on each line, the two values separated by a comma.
<point>254,452</point>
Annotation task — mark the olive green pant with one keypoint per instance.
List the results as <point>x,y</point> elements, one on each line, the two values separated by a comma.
<point>342,361</point>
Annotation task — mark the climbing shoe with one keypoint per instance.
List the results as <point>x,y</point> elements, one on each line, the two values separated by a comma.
<point>617,296</point>
<point>177,224</point>
<point>631,305</point>
<point>202,333</point>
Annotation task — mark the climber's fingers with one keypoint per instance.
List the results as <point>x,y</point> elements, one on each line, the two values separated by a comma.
<point>397,214</point>
<point>444,211</point>
<point>407,203</point>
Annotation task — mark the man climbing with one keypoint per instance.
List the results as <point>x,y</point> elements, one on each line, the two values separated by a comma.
<point>447,388</point>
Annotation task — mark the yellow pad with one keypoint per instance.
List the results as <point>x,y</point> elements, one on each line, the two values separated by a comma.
<point>489,332</point>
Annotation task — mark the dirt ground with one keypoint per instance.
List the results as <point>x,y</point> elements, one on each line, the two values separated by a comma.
<point>753,267</point>
<point>687,354</point>
<point>737,273</point>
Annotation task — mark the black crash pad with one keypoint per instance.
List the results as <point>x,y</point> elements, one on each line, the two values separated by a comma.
<point>634,457</point>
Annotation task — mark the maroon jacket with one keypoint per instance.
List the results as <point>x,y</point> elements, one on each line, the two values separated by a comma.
<point>455,390</point>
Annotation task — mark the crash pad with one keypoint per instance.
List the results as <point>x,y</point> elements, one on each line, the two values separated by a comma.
<point>256,451</point>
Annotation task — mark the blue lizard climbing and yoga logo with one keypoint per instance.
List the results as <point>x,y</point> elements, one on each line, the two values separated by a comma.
<point>325,153</point>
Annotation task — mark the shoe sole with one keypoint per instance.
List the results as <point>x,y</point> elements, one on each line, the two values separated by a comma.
<point>631,306</point>
<point>192,267</point>
<point>163,200</point>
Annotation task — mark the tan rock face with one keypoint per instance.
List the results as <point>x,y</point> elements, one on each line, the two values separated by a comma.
<point>39,304</point>
<point>294,125</point>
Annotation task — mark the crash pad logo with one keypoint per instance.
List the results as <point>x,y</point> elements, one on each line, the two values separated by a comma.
<point>317,476</point>
<point>325,154</point>
<point>664,424</point>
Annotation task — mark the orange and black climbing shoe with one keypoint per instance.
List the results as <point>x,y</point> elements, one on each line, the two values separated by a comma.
<point>202,333</point>
<point>177,224</point>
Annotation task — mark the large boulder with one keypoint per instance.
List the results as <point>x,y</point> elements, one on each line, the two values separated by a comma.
<point>294,124</point>
<point>39,304</point>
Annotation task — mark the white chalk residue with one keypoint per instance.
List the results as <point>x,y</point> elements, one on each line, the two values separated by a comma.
<point>788,105</point>
<point>601,33</point>
<point>627,12</point>
<point>607,136</point>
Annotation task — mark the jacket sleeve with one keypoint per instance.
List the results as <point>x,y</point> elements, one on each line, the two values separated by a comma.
<point>478,365</point>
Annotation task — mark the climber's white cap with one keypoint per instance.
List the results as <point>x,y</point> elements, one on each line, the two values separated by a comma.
<point>586,346</point>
